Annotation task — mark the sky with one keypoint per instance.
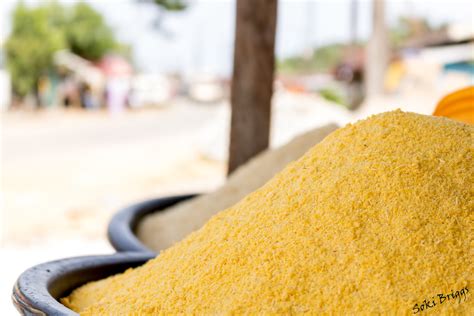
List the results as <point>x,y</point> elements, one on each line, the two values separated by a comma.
<point>200,39</point>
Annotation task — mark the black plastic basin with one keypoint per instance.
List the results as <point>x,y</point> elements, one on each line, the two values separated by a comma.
<point>38,289</point>
<point>122,227</point>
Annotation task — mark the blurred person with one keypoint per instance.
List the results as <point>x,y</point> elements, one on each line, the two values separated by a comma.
<point>395,72</point>
<point>70,92</point>
<point>43,89</point>
<point>352,75</point>
<point>117,91</point>
<point>88,100</point>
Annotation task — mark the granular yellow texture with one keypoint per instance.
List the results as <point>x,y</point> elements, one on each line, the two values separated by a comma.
<point>376,219</point>
<point>162,229</point>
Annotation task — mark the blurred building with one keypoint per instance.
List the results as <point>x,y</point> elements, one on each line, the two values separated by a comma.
<point>152,90</point>
<point>443,59</point>
<point>206,88</point>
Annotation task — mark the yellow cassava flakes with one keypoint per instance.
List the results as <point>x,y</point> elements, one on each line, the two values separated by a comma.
<point>161,230</point>
<point>376,219</point>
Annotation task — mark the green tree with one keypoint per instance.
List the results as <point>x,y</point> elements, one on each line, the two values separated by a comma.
<point>163,6</point>
<point>38,32</point>
<point>172,5</point>
<point>324,59</point>
<point>87,34</point>
<point>34,39</point>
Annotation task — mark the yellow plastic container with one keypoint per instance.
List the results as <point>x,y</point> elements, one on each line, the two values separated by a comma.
<point>458,105</point>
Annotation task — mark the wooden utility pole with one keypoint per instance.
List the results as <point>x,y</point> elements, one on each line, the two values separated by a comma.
<point>376,58</point>
<point>252,81</point>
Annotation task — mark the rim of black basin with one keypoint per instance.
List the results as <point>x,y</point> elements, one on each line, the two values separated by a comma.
<point>122,227</point>
<point>37,290</point>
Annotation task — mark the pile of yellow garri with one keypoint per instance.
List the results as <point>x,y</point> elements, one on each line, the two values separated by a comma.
<point>377,218</point>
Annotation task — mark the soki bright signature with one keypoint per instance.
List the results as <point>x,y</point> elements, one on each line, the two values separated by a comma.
<point>440,299</point>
